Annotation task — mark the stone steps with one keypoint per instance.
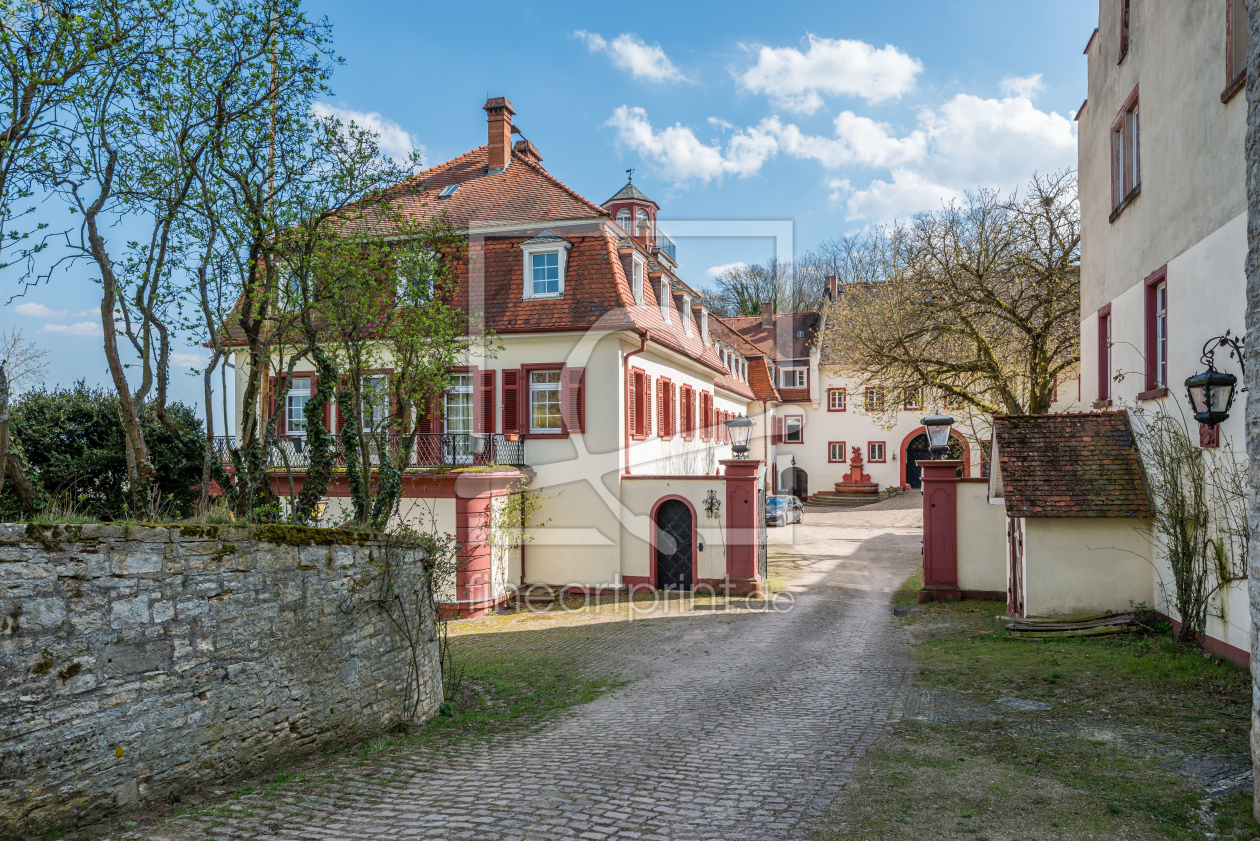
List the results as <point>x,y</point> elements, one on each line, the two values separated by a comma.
<point>834,500</point>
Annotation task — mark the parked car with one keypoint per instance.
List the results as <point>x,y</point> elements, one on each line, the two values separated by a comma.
<point>783,509</point>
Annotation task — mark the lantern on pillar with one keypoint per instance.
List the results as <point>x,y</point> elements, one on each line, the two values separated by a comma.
<point>740,429</point>
<point>937,427</point>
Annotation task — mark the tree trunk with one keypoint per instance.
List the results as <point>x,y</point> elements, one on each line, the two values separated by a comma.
<point>4,423</point>
<point>143,471</point>
<point>1252,377</point>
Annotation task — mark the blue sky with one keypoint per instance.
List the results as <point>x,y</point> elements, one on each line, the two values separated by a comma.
<point>834,115</point>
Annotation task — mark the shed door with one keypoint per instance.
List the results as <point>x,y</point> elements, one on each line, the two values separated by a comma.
<point>1015,578</point>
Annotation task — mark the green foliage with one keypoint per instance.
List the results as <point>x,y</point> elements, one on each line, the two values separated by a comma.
<point>75,452</point>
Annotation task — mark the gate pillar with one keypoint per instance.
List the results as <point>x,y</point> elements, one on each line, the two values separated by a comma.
<point>940,530</point>
<point>742,577</point>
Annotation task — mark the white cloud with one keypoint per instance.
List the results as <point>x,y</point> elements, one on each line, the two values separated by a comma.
<point>718,122</point>
<point>1025,87</point>
<point>394,140</point>
<point>680,155</point>
<point>964,143</point>
<point>38,311</point>
<point>717,271</point>
<point>797,80</point>
<point>629,52</point>
<point>79,328</point>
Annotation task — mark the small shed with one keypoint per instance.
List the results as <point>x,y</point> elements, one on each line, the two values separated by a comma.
<point>1078,513</point>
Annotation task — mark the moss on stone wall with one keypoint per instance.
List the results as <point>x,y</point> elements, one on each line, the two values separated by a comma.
<point>309,536</point>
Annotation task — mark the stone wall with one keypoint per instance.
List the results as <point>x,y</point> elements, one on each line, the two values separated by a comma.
<point>137,661</point>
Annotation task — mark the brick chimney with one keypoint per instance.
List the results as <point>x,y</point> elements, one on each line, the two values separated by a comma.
<point>767,315</point>
<point>525,149</point>
<point>833,287</point>
<point>499,113</point>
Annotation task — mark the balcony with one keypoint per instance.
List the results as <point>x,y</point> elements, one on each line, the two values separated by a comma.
<point>666,246</point>
<point>440,450</point>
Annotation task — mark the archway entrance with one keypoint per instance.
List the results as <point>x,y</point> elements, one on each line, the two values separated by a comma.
<point>917,449</point>
<point>673,545</point>
<point>795,481</point>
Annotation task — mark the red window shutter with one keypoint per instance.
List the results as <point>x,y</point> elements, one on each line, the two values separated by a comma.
<point>574,385</point>
<point>661,385</point>
<point>342,384</point>
<point>485,417</point>
<point>511,400</point>
<point>633,402</point>
<point>273,394</point>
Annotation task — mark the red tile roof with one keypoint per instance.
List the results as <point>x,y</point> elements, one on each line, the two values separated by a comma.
<point>1071,465</point>
<point>780,341</point>
<point>522,193</point>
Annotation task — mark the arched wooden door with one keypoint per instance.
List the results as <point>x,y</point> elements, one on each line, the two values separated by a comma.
<point>673,545</point>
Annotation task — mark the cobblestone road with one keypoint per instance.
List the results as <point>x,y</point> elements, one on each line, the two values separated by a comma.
<point>731,727</point>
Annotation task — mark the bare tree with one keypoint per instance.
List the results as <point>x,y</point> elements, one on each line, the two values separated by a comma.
<point>787,286</point>
<point>978,300</point>
<point>21,363</point>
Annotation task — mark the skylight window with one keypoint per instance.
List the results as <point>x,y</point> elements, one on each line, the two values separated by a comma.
<point>448,191</point>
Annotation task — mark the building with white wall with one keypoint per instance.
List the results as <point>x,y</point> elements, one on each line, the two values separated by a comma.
<point>1163,221</point>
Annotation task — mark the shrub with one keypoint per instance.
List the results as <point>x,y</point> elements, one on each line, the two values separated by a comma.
<point>75,450</point>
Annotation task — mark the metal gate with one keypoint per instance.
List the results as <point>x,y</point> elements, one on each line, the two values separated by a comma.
<point>763,562</point>
<point>673,546</point>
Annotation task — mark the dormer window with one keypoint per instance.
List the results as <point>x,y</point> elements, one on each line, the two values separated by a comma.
<point>704,326</point>
<point>546,257</point>
<point>636,282</point>
<point>666,304</point>
<point>686,314</point>
<point>623,219</point>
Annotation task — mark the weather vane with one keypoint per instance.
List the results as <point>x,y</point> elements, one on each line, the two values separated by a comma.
<point>630,172</point>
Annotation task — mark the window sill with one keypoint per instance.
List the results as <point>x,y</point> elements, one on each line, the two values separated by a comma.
<point>1125,202</point>
<point>638,437</point>
<point>794,443</point>
<point>551,435</point>
<point>1232,89</point>
<point>836,410</point>
<point>551,297</point>
<point>1153,393</point>
<point>1102,404</point>
<point>873,461</point>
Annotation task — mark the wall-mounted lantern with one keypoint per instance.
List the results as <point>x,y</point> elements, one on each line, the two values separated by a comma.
<point>740,429</point>
<point>937,428</point>
<point>1211,393</point>
<point>712,505</point>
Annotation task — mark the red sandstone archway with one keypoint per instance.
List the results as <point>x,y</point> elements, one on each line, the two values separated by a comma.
<point>953,433</point>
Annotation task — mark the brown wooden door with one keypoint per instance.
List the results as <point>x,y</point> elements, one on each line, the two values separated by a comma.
<point>1015,579</point>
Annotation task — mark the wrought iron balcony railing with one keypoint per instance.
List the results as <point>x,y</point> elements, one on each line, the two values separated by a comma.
<point>448,449</point>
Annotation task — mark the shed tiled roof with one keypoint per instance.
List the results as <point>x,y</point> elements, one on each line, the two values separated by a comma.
<point>1071,465</point>
<point>780,341</point>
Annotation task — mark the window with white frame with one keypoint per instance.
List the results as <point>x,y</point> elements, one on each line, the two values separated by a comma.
<point>295,404</point>
<point>875,451</point>
<point>837,399</point>
<point>686,314</point>
<point>640,221</point>
<point>794,378</point>
<point>546,257</point>
<point>836,453</point>
<point>667,299</point>
<point>544,401</point>
<point>794,430</point>
<point>375,403</point>
<point>623,219</point>
<point>636,271</point>
<point>459,404</point>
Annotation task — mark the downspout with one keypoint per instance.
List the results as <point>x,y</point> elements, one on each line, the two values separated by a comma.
<point>765,443</point>
<point>625,373</point>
